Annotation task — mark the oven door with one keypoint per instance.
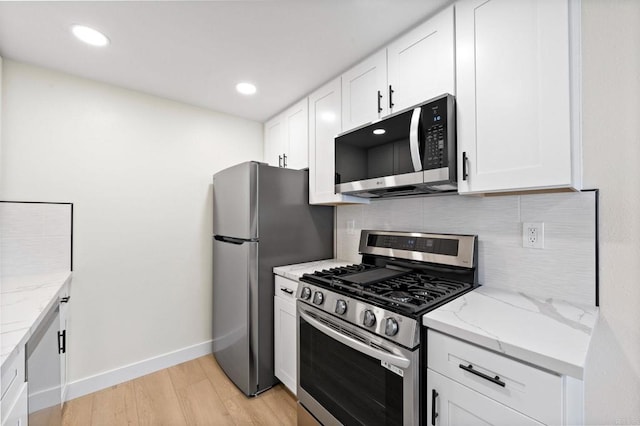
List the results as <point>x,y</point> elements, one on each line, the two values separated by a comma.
<point>350,376</point>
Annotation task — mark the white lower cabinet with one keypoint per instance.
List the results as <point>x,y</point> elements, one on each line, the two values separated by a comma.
<point>285,340</point>
<point>450,404</point>
<point>470,385</point>
<point>13,406</point>
<point>18,414</point>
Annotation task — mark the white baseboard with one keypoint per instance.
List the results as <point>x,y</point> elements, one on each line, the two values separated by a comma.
<point>43,399</point>
<point>123,374</point>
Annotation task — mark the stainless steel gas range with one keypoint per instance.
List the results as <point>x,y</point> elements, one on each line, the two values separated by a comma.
<point>359,327</point>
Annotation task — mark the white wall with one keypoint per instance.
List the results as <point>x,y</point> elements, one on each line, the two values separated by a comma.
<point>138,170</point>
<point>611,135</point>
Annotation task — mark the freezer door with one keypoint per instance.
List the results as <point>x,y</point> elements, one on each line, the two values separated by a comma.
<point>235,206</point>
<point>235,340</point>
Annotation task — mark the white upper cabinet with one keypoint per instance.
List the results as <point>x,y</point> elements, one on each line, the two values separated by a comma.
<point>274,141</point>
<point>286,138</point>
<point>324,124</point>
<point>297,122</point>
<point>364,91</point>
<point>421,64</point>
<point>416,67</point>
<point>517,92</point>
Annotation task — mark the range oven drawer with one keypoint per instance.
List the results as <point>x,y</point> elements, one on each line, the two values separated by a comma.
<point>530,390</point>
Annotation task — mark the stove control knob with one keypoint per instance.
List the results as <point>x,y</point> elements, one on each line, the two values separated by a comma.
<point>391,327</point>
<point>341,307</point>
<point>318,298</point>
<point>305,293</point>
<point>369,318</point>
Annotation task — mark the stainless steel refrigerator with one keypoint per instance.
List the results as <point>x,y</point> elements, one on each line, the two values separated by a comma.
<point>261,219</point>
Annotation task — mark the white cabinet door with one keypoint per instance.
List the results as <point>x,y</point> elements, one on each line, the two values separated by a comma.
<point>421,63</point>
<point>18,414</point>
<point>324,125</point>
<point>286,138</point>
<point>513,95</point>
<point>295,155</point>
<point>274,141</point>
<point>13,404</point>
<point>285,337</point>
<point>64,328</point>
<point>455,404</point>
<point>364,91</point>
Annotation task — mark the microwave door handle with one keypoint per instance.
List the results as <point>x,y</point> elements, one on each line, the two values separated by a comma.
<point>414,140</point>
<point>396,360</point>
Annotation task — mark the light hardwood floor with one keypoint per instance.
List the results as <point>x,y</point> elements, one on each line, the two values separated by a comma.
<point>194,393</point>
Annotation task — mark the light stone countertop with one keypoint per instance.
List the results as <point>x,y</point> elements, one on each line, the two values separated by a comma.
<point>24,302</point>
<point>294,272</point>
<point>552,334</point>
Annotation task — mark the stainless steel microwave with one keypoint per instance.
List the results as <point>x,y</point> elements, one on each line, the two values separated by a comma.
<point>408,153</point>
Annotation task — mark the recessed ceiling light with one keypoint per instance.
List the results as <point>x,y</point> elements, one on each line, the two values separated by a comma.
<point>89,35</point>
<point>246,88</point>
<point>379,131</point>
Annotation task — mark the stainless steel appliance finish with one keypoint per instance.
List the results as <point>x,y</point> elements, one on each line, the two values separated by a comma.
<point>359,326</point>
<point>261,219</point>
<point>466,246</point>
<point>350,376</point>
<point>407,153</point>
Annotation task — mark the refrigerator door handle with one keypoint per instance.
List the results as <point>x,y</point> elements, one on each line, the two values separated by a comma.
<point>233,240</point>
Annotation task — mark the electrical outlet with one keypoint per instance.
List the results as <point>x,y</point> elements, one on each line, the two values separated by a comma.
<point>533,235</point>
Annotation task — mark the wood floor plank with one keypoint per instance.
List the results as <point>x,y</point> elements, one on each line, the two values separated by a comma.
<point>258,410</point>
<point>78,411</point>
<point>195,393</point>
<point>50,416</point>
<point>157,401</point>
<point>115,406</point>
<point>236,407</point>
<point>187,373</point>
<point>223,386</point>
<point>201,405</point>
<point>280,402</point>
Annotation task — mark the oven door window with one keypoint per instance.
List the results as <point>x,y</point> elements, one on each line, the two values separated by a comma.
<point>354,387</point>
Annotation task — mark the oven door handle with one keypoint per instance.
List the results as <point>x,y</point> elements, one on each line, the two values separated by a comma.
<point>414,140</point>
<point>396,360</point>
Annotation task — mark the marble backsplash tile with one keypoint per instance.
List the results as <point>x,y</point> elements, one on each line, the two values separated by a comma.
<point>564,269</point>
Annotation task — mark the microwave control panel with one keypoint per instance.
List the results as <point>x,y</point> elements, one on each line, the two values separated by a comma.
<point>435,130</point>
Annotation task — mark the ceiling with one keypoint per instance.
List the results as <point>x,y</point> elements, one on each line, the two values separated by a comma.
<point>196,51</point>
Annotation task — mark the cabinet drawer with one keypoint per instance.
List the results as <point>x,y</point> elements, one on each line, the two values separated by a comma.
<point>285,288</point>
<point>12,381</point>
<point>527,389</point>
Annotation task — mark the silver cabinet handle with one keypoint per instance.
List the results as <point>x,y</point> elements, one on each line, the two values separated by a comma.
<point>414,140</point>
<point>279,160</point>
<point>355,344</point>
<point>284,157</point>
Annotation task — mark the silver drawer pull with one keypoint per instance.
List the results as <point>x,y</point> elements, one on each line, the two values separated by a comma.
<point>495,380</point>
<point>286,290</point>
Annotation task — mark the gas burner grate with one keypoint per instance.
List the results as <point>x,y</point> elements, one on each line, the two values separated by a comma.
<point>410,294</point>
